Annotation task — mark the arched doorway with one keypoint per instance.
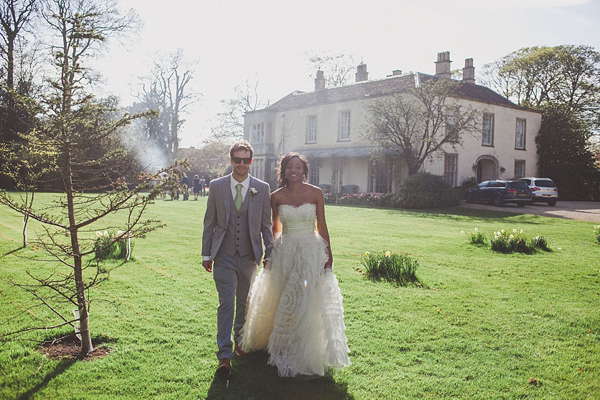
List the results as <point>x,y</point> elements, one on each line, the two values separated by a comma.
<point>487,168</point>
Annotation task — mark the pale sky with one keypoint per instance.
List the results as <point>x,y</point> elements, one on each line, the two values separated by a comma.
<point>230,41</point>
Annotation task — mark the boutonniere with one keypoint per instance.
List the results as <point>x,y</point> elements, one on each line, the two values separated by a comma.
<point>253,191</point>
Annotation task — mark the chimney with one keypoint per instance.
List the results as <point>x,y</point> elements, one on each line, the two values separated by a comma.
<point>442,65</point>
<point>361,72</point>
<point>320,80</point>
<point>396,72</point>
<point>469,71</point>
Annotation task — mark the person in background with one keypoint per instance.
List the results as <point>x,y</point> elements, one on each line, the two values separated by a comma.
<point>196,186</point>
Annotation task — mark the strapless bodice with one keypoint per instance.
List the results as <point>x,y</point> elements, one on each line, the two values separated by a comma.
<point>298,220</point>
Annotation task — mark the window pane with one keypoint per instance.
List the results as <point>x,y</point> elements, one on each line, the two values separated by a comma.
<point>450,168</point>
<point>488,130</point>
<point>344,125</point>
<point>519,169</point>
<point>311,129</point>
<point>520,134</point>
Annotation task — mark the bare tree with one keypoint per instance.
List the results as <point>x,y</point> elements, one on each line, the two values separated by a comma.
<point>419,122</point>
<point>167,87</point>
<point>337,68</point>
<point>15,15</point>
<point>231,120</point>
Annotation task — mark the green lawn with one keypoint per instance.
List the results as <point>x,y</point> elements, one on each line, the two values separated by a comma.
<point>486,325</point>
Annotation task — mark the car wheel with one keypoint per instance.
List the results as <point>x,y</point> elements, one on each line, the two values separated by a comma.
<point>498,201</point>
<point>470,198</point>
<point>552,203</point>
<point>521,204</point>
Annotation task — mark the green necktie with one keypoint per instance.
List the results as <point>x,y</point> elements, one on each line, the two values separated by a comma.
<point>238,196</point>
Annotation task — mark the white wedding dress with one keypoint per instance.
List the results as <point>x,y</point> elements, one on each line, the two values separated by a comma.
<point>295,310</point>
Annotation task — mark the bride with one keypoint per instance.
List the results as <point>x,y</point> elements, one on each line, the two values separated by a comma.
<point>295,310</point>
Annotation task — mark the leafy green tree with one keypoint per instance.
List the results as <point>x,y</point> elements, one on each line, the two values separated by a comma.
<point>565,75</point>
<point>564,154</point>
<point>564,83</point>
<point>420,122</point>
<point>95,184</point>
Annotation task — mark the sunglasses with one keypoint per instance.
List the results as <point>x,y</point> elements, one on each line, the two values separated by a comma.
<point>239,160</point>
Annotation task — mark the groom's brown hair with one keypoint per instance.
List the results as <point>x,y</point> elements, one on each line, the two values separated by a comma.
<point>241,145</point>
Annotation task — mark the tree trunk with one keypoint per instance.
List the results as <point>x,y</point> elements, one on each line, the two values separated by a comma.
<point>25,219</point>
<point>84,328</point>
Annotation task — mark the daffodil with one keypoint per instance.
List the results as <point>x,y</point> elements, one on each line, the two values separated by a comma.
<point>388,253</point>
<point>367,254</point>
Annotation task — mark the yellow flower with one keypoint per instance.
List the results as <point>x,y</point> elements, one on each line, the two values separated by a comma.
<point>476,230</point>
<point>367,254</point>
<point>105,233</point>
<point>388,253</point>
<point>98,234</point>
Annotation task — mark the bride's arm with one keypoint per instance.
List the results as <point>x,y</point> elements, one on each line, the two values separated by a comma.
<point>322,226</point>
<point>275,226</point>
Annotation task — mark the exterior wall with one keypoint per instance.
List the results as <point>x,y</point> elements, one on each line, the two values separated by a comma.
<point>491,159</point>
<point>286,131</point>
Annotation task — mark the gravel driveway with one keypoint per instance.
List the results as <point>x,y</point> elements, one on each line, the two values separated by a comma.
<point>581,210</point>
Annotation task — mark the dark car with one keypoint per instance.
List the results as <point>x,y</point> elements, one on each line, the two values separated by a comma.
<point>500,192</point>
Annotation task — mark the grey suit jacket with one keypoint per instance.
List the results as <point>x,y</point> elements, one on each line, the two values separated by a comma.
<point>218,212</point>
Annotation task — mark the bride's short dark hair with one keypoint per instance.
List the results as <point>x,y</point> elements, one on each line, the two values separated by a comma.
<point>283,162</point>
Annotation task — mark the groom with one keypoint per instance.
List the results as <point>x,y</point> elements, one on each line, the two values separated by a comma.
<point>236,224</point>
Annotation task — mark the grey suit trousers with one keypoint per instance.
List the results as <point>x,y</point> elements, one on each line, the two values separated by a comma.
<point>233,277</point>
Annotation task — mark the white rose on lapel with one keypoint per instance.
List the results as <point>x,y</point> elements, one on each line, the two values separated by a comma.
<point>253,191</point>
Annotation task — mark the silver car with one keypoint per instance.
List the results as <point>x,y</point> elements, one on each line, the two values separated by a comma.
<point>542,189</point>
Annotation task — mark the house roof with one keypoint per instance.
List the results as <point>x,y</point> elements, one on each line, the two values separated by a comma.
<point>383,87</point>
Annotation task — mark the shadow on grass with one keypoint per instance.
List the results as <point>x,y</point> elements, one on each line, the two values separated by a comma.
<point>458,213</point>
<point>59,369</point>
<point>12,251</point>
<point>252,378</point>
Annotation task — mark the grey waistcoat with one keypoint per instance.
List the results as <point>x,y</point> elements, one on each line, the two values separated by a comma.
<point>237,236</point>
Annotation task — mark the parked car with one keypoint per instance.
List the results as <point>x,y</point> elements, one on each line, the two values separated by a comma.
<point>542,189</point>
<point>500,192</point>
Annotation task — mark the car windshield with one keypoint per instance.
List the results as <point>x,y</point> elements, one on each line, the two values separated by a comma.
<point>544,183</point>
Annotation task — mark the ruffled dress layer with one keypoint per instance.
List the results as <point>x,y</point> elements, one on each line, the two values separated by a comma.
<point>295,310</point>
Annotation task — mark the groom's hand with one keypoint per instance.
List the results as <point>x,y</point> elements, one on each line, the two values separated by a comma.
<point>207,265</point>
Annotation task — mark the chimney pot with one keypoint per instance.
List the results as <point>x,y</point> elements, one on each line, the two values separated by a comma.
<point>469,71</point>
<point>361,72</point>
<point>320,80</point>
<point>442,65</point>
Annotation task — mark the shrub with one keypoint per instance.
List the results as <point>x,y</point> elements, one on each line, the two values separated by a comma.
<point>507,242</point>
<point>476,237</point>
<point>540,242</point>
<point>106,247</point>
<point>424,190</point>
<point>392,267</point>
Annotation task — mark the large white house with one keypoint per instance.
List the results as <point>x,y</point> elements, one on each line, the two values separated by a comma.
<point>327,126</point>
